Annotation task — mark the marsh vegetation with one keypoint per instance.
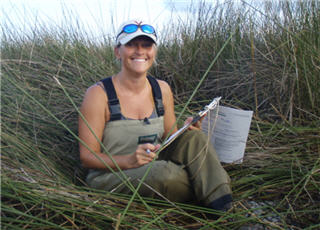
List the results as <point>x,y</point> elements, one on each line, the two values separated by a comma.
<point>269,63</point>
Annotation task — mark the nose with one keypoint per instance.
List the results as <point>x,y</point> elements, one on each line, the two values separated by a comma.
<point>139,48</point>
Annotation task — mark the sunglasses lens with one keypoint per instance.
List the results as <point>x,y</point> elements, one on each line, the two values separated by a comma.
<point>147,29</point>
<point>130,28</point>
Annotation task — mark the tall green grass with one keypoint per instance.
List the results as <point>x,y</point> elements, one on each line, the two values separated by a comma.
<point>271,65</point>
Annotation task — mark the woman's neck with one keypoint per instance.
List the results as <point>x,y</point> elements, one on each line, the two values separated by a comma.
<point>135,83</point>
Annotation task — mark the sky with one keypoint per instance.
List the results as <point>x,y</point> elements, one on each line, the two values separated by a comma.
<point>96,17</point>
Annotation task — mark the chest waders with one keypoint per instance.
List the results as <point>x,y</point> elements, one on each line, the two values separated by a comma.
<point>187,170</point>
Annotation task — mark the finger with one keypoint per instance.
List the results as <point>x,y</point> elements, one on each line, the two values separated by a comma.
<point>146,156</point>
<point>188,120</point>
<point>149,157</point>
<point>196,124</point>
<point>201,119</point>
<point>151,148</point>
<point>145,148</point>
<point>149,153</point>
<point>157,147</point>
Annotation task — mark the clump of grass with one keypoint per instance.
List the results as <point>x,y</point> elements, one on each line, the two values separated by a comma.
<point>271,65</point>
<point>268,53</point>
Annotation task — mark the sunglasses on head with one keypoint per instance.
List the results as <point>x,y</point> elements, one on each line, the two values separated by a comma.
<point>131,28</point>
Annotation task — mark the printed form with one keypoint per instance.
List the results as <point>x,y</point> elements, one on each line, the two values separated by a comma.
<point>228,132</point>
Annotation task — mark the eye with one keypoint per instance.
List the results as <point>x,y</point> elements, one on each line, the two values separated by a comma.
<point>146,44</point>
<point>129,44</point>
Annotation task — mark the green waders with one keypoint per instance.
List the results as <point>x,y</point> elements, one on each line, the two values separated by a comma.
<point>187,170</point>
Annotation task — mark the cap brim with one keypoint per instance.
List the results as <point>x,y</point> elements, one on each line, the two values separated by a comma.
<point>124,38</point>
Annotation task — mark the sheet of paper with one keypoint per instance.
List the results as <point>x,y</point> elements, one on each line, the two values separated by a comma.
<point>228,132</point>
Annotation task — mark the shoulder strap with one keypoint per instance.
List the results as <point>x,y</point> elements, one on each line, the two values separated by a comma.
<point>114,104</point>
<point>157,95</point>
<point>113,101</point>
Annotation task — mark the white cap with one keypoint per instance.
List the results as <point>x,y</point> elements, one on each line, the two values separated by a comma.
<point>123,38</point>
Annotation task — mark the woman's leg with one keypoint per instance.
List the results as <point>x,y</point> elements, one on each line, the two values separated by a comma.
<point>165,178</point>
<point>210,181</point>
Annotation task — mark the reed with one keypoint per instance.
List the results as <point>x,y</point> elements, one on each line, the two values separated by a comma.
<point>271,65</point>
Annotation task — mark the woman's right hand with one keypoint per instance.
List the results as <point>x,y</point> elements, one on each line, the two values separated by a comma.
<point>144,154</point>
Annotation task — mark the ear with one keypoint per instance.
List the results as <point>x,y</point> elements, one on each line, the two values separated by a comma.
<point>116,52</point>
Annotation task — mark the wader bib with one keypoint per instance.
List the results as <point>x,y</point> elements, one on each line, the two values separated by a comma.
<point>187,170</point>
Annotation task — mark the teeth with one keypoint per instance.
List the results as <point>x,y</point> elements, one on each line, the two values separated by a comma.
<point>139,60</point>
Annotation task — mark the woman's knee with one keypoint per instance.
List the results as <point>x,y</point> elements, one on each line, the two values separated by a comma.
<point>166,172</point>
<point>172,182</point>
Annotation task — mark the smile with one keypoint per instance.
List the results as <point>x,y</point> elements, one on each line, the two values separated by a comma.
<point>139,59</point>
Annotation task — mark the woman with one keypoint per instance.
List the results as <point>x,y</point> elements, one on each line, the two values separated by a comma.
<point>131,113</point>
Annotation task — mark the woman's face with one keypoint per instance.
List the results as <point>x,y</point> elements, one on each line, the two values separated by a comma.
<point>137,56</point>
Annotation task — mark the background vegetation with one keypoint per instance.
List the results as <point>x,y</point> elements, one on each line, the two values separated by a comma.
<point>271,66</point>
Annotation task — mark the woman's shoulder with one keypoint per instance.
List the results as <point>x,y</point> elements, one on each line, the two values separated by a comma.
<point>96,93</point>
<point>164,86</point>
<point>167,96</point>
<point>96,89</point>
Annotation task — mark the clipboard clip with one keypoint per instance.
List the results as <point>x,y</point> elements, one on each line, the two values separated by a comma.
<point>212,105</point>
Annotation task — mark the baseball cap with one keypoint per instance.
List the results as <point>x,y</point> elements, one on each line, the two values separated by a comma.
<point>142,28</point>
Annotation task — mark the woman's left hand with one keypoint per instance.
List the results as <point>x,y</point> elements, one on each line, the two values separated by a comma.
<point>195,126</point>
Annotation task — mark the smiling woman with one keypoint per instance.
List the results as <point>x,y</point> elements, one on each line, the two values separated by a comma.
<point>131,113</point>
<point>137,55</point>
<point>136,47</point>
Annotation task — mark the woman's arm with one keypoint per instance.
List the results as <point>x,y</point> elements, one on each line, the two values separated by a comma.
<point>169,115</point>
<point>96,112</point>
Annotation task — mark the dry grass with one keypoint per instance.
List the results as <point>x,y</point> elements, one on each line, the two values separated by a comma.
<point>271,66</point>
